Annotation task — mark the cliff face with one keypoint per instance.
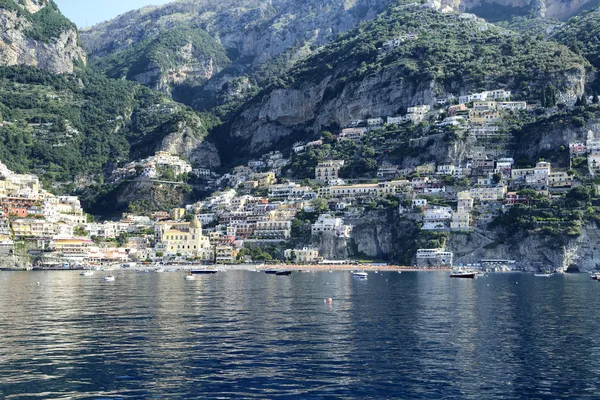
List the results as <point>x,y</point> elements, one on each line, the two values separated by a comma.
<point>252,33</point>
<point>335,93</point>
<point>558,9</point>
<point>56,53</point>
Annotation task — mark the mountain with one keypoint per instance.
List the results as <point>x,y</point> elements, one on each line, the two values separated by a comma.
<point>410,55</point>
<point>208,50</point>
<point>73,126</point>
<point>582,34</point>
<point>496,10</point>
<point>35,33</point>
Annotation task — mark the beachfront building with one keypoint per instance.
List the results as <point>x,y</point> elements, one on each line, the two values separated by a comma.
<point>187,239</point>
<point>306,255</point>
<point>434,258</point>
<point>225,254</point>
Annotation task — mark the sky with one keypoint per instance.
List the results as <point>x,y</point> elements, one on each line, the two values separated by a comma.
<point>86,13</point>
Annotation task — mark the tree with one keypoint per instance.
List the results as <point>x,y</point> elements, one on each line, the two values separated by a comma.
<point>595,99</point>
<point>497,177</point>
<point>328,137</point>
<point>583,100</point>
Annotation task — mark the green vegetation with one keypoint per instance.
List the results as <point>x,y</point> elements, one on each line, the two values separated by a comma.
<point>582,35</point>
<point>61,127</point>
<point>47,24</point>
<point>446,48</point>
<point>166,52</point>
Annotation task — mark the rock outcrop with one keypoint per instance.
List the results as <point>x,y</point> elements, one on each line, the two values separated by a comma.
<point>57,54</point>
<point>558,9</point>
<point>252,32</point>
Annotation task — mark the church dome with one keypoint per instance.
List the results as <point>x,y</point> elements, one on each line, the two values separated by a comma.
<point>195,224</point>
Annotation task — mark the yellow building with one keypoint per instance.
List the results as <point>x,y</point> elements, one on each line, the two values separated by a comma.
<point>225,255</point>
<point>265,180</point>
<point>178,213</point>
<point>189,243</point>
<point>33,228</point>
<point>73,246</point>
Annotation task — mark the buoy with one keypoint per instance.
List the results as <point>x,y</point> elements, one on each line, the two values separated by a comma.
<point>488,284</point>
<point>38,283</point>
<point>329,300</point>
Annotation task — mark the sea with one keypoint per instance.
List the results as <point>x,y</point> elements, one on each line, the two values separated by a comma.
<point>246,334</point>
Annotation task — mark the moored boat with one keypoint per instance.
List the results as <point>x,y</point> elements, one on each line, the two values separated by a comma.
<point>283,273</point>
<point>87,273</point>
<point>543,274</point>
<point>360,274</point>
<point>109,278</point>
<point>190,277</point>
<point>596,276</point>
<point>204,271</point>
<point>271,271</point>
<point>465,275</point>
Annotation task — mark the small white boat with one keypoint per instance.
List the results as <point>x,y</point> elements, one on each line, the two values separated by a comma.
<point>595,276</point>
<point>544,275</point>
<point>190,277</point>
<point>109,278</point>
<point>360,274</point>
<point>160,270</point>
<point>87,273</point>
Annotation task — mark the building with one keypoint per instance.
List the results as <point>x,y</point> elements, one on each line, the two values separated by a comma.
<point>306,255</point>
<point>225,254</point>
<point>560,180</point>
<point>350,191</point>
<point>461,220</point>
<point>433,258</point>
<point>188,242</point>
<point>540,173</point>
<point>327,224</point>
<point>273,229</point>
<point>70,247</point>
<point>354,134</point>
<point>375,121</point>
<point>328,170</point>
<point>33,228</point>
<point>488,193</point>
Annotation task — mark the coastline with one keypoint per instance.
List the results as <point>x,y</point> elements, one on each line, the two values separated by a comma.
<point>347,267</point>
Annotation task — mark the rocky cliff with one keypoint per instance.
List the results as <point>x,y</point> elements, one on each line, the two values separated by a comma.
<point>358,76</point>
<point>499,9</point>
<point>386,235</point>
<point>34,33</point>
<point>252,33</point>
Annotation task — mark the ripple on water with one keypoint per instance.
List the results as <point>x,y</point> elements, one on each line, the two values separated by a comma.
<point>249,335</point>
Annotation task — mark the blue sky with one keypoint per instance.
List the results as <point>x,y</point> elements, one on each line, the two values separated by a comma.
<point>96,11</point>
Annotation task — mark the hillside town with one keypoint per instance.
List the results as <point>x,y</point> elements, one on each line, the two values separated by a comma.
<point>256,204</point>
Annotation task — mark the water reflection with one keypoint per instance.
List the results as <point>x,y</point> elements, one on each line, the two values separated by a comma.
<point>252,335</point>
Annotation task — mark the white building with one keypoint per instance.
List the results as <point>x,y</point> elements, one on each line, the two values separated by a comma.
<point>329,224</point>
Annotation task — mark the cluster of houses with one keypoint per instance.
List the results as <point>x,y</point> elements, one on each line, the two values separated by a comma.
<point>154,167</point>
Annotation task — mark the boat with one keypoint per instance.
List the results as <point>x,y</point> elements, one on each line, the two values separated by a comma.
<point>283,273</point>
<point>87,273</point>
<point>271,271</point>
<point>360,274</point>
<point>204,271</point>
<point>160,270</point>
<point>596,276</point>
<point>463,274</point>
<point>543,274</point>
<point>109,278</point>
<point>190,277</point>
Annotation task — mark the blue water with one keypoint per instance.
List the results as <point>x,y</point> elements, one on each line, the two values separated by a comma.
<point>250,335</point>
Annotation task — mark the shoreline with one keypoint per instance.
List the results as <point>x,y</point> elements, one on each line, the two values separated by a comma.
<point>347,267</point>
